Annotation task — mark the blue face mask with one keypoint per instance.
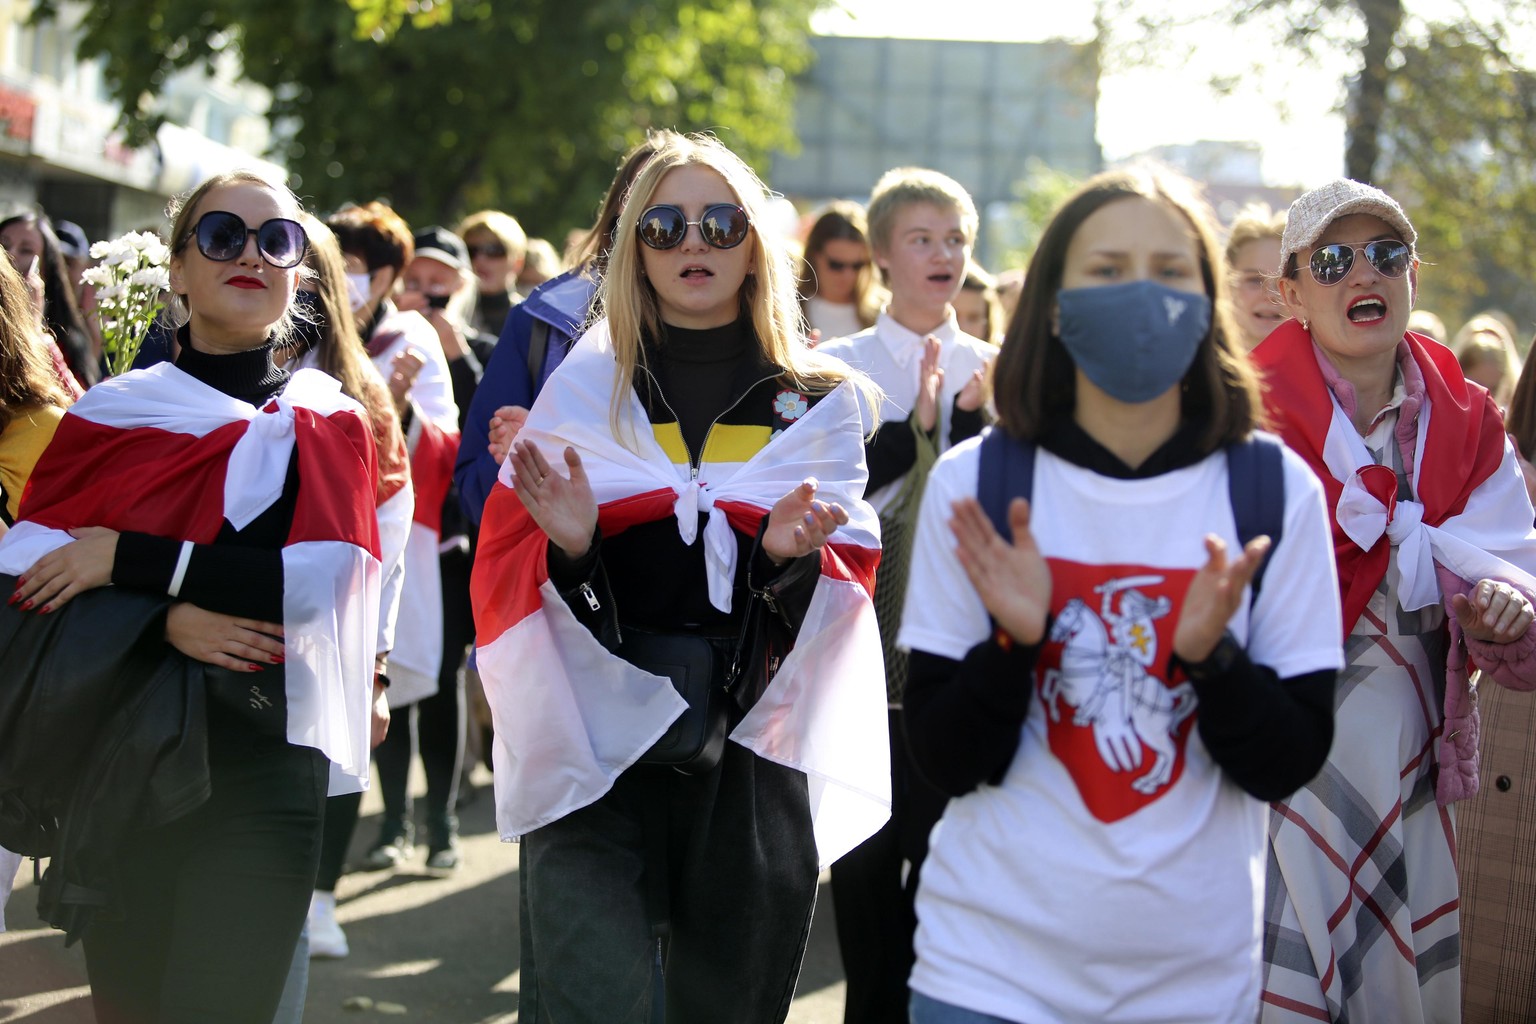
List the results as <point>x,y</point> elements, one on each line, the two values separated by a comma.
<point>1134,341</point>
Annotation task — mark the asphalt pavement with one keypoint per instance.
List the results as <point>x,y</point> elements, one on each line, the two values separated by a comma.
<point>424,948</point>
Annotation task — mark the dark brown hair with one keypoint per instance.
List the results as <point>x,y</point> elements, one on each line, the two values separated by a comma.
<point>1035,380</point>
<point>843,220</point>
<point>1520,420</point>
<point>374,233</point>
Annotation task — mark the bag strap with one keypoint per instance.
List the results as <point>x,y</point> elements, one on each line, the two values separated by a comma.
<point>1007,471</point>
<point>538,347</point>
<point>1256,481</point>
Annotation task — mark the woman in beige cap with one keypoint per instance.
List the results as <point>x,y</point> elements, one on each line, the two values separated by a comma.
<point>1435,551</point>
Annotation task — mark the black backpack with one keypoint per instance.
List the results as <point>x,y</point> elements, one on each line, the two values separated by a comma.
<point>1256,482</point>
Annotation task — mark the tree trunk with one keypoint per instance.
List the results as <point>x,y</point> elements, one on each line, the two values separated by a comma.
<point>1362,150</point>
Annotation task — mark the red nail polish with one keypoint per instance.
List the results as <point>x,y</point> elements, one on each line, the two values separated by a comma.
<point>21,581</point>
<point>14,598</point>
<point>26,605</point>
<point>277,659</point>
<point>253,667</point>
<point>45,609</point>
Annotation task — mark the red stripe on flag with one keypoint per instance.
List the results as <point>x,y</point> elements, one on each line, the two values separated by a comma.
<point>338,480</point>
<point>619,515</point>
<point>147,480</point>
<point>851,563</point>
<point>432,473</point>
<point>510,566</point>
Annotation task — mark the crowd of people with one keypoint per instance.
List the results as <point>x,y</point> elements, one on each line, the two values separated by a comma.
<point>1141,635</point>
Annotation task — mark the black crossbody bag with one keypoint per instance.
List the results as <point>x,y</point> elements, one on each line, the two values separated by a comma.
<point>698,667</point>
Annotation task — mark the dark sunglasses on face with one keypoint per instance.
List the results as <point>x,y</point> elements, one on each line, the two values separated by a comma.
<point>838,266</point>
<point>221,237</point>
<point>1330,264</point>
<point>723,226</point>
<point>491,250</point>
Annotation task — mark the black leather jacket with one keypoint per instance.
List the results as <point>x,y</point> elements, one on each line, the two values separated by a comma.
<point>103,731</point>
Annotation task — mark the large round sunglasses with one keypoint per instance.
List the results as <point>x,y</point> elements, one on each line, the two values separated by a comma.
<point>1330,264</point>
<point>221,237</point>
<point>723,226</point>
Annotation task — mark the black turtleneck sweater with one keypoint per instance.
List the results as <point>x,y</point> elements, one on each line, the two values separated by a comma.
<point>241,572</point>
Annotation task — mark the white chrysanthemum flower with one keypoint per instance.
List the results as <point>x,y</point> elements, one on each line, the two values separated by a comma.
<point>96,275</point>
<point>112,292</point>
<point>152,277</point>
<point>100,249</point>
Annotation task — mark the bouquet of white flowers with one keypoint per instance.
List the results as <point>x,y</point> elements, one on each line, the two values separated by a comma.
<point>130,278</point>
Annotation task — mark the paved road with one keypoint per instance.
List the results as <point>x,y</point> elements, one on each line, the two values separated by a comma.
<point>443,951</point>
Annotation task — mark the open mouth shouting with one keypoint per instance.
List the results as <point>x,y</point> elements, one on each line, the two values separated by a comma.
<point>1367,309</point>
<point>695,271</point>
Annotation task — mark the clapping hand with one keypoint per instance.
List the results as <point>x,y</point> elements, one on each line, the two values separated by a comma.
<point>1213,597</point>
<point>564,508</point>
<point>1012,579</point>
<point>505,423</point>
<point>798,523</point>
<point>930,384</point>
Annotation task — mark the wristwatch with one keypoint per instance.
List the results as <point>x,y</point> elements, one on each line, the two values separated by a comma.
<point>1223,658</point>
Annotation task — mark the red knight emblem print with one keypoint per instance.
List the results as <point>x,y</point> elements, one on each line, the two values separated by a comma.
<point>1115,723</point>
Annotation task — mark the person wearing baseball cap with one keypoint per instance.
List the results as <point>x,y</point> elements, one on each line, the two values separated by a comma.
<point>1437,569</point>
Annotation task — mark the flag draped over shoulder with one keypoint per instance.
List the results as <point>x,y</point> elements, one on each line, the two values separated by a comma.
<point>570,716</point>
<point>157,451</point>
<point>1464,476</point>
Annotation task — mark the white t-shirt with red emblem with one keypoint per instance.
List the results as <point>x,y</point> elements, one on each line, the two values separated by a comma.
<point>1116,873</point>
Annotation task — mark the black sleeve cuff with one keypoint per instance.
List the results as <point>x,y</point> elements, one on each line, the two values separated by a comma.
<point>567,572</point>
<point>145,562</point>
<point>965,424</point>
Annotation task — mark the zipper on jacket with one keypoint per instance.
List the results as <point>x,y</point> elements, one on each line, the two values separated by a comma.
<point>695,464</point>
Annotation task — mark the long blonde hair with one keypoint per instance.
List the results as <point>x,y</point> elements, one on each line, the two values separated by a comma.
<point>768,297</point>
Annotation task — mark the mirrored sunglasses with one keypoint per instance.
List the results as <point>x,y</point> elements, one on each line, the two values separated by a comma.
<point>1330,264</point>
<point>723,226</point>
<point>838,266</point>
<point>221,237</point>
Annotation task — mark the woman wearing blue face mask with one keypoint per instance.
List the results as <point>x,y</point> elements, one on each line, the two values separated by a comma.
<point>1101,676</point>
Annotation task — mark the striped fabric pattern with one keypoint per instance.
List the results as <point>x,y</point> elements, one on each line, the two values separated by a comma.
<point>1361,917</point>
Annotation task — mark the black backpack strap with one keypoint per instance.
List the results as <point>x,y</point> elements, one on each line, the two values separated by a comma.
<point>1256,479</point>
<point>538,347</point>
<point>1006,471</point>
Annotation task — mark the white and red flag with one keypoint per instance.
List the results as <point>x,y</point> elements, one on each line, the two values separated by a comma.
<point>570,716</point>
<point>433,441</point>
<point>157,451</point>
<point>1472,517</point>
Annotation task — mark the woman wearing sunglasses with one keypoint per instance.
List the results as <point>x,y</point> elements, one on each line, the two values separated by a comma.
<point>231,506</point>
<point>1433,542</point>
<point>838,288</point>
<point>689,478</point>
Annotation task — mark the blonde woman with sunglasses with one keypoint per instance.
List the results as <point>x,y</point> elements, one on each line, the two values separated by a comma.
<point>1435,551</point>
<point>690,480</point>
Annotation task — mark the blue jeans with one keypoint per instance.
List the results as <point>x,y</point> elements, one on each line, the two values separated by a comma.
<point>926,1010</point>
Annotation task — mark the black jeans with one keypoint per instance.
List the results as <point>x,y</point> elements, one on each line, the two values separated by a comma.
<point>739,885</point>
<point>212,903</point>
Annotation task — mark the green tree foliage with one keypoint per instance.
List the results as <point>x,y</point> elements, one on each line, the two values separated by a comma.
<point>1439,109</point>
<point>441,109</point>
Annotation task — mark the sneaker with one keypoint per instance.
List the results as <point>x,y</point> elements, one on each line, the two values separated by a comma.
<point>444,859</point>
<point>326,939</point>
<point>393,849</point>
